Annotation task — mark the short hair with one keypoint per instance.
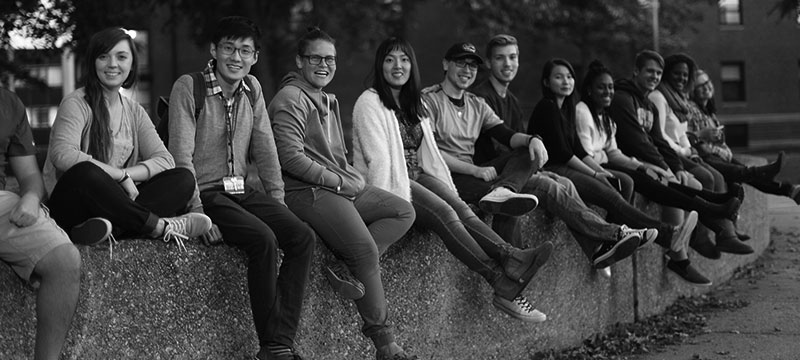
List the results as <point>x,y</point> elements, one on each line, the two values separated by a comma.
<point>673,60</point>
<point>236,27</point>
<point>643,56</point>
<point>312,33</point>
<point>500,40</point>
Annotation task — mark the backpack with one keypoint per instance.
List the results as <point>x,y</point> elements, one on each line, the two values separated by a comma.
<point>199,92</point>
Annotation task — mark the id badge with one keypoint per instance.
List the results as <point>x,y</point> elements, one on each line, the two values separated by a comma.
<point>233,184</point>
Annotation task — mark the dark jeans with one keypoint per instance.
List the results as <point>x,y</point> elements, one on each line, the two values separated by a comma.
<point>357,232</point>
<point>468,238</point>
<point>513,171</point>
<point>259,225</point>
<point>710,178</point>
<point>619,208</point>
<point>734,171</point>
<point>85,191</point>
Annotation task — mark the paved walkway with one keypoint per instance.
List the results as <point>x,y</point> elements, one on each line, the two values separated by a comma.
<point>769,328</point>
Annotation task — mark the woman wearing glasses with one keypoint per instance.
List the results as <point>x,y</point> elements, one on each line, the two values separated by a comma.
<point>357,222</point>
<point>110,165</point>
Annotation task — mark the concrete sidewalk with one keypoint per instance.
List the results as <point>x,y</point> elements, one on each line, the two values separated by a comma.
<point>769,328</point>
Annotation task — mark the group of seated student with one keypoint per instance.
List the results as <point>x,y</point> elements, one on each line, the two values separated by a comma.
<point>419,156</point>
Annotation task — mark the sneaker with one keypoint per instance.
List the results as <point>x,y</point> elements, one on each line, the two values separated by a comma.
<point>683,233</point>
<point>91,232</point>
<point>732,245</point>
<point>184,227</point>
<point>503,201</point>
<point>687,272</point>
<point>647,235</point>
<point>605,272</point>
<point>611,252</point>
<point>343,282</point>
<point>522,265</point>
<point>519,308</point>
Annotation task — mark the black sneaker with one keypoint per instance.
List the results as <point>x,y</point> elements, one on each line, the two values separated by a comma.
<point>687,272</point>
<point>91,232</point>
<point>343,282</point>
<point>732,245</point>
<point>610,253</point>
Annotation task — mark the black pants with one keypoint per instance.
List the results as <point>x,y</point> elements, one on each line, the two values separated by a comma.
<point>259,225</point>
<point>735,171</point>
<point>85,191</point>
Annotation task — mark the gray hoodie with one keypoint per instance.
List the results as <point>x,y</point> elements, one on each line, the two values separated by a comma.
<point>309,138</point>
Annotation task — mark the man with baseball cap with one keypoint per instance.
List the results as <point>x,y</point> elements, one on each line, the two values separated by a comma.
<point>460,117</point>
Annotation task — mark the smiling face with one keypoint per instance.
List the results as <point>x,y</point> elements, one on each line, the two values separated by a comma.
<point>504,62</point>
<point>460,77</point>
<point>704,90</point>
<point>233,68</point>
<point>113,67</point>
<point>319,75</point>
<point>648,76</point>
<point>396,68</point>
<point>601,91</point>
<point>560,82</point>
<point>679,76</point>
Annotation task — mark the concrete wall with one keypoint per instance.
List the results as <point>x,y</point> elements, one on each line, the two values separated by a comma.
<point>152,302</point>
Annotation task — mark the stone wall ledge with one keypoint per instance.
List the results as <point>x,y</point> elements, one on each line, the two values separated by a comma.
<point>152,301</point>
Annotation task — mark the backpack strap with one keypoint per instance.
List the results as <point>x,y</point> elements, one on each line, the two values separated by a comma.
<point>199,93</point>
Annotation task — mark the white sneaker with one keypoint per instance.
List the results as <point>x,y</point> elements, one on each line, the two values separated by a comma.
<point>647,235</point>
<point>186,226</point>
<point>605,272</point>
<point>503,201</point>
<point>519,308</point>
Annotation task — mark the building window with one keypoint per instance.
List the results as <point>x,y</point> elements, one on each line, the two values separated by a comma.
<point>730,12</point>
<point>732,76</point>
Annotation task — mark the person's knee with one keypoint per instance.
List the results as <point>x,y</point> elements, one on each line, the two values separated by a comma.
<point>84,172</point>
<point>63,262</point>
<point>361,255</point>
<point>303,241</point>
<point>183,179</point>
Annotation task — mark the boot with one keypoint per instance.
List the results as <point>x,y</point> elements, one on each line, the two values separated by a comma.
<point>730,243</point>
<point>764,172</point>
<point>521,265</point>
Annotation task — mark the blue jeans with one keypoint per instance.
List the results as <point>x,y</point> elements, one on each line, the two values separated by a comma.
<point>357,232</point>
<point>615,203</point>
<point>468,238</point>
<point>558,195</point>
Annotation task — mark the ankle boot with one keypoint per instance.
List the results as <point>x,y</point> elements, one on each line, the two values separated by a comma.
<point>765,172</point>
<point>730,243</point>
<point>521,265</point>
<point>701,242</point>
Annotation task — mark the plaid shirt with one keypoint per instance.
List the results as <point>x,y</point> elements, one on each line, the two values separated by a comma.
<point>213,88</point>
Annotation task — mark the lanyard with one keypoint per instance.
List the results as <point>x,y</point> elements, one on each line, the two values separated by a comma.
<point>231,107</point>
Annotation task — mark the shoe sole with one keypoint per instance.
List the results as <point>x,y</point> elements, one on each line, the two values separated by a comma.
<point>707,284</point>
<point>344,288</point>
<point>647,240</point>
<point>542,255</point>
<point>91,232</point>
<point>740,249</point>
<point>622,249</point>
<point>515,315</point>
<point>514,206</point>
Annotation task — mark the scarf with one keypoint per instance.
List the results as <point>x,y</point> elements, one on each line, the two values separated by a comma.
<point>678,101</point>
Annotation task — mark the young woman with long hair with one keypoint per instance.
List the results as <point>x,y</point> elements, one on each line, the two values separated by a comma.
<point>106,164</point>
<point>395,150</point>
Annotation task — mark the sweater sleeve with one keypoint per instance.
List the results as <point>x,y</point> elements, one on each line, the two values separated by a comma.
<point>182,130</point>
<point>631,137</point>
<point>262,146</point>
<point>152,152</point>
<point>667,153</point>
<point>371,155</point>
<point>289,117</point>
<point>72,120</point>
<point>585,127</point>
<point>545,123</point>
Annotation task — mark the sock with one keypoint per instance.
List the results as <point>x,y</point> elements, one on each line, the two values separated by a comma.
<point>279,349</point>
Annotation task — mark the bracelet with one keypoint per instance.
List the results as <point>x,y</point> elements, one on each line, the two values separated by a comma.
<point>125,176</point>
<point>594,175</point>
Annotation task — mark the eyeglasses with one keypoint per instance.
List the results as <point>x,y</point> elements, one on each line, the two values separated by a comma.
<point>464,64</point>
<point>316,59</point>
<point>228,50</point>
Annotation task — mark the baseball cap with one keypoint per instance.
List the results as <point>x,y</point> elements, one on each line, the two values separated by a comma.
<point>463,50</point>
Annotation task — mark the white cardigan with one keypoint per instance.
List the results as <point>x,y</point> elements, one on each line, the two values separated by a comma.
<point>378,148</point>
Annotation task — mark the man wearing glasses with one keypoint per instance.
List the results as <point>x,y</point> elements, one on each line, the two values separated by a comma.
<point>216,144</point>
<point>459,118</point>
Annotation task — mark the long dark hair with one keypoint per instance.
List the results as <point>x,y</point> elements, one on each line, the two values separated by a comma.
<point>100,132</point>
<point>410,99</point>
<point>596,69</point>
<point>568,107</point>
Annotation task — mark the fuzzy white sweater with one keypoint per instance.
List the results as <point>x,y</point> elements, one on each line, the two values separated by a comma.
<point>378,148</point>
